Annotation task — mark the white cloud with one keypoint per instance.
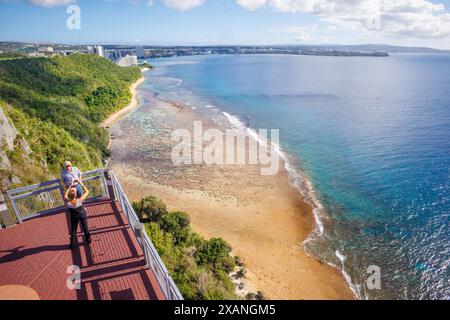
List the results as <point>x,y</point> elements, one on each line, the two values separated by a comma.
<point>419,19</point>
<point>51,3</point>
<point>182,5</point>
<point>407,18</point>
<point>302,33</point>
<point>252,4</point>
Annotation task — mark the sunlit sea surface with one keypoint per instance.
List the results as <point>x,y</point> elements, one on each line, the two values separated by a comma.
<point>368,141</point>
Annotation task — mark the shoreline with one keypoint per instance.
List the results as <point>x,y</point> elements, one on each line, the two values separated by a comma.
<point>134,103</point>
<point>272,252</point>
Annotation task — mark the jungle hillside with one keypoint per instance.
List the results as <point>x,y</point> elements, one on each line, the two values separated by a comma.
<point>55,106</point>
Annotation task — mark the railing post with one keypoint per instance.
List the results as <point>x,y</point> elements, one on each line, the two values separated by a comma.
<point>105,184</point>
<point>16,210</point>
<point>168,291</point>
<point>110,185</point>
<point>140,229</point>
<point>4,213</point>
<point>61,190</point>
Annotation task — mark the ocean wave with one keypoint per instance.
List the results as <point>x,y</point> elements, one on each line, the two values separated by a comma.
<point>306,190</point>
<point>302,185</point>
<point>189,105</point>
<point>177,80</point>
<point>356,289</point>
<point>235,122</point>
<point>174,63</point>
<point>296,96</point>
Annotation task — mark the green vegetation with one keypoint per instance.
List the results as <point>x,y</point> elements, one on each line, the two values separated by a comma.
<point>145,65</point>
<point>56,105</point>
<point>199,267</point>
<point>11,55</point>
<point>105,100</point>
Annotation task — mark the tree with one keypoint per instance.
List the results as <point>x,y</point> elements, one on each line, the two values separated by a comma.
<point>212,252</point>
<point>177,223</point>
<point>150,209</point>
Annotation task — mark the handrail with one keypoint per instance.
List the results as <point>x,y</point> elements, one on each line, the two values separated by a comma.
<point>32,187</point>
<point>31,201</point>
<point>35,200</point>
<point>152,257</point>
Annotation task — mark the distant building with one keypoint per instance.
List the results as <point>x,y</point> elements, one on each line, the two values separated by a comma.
<point>28,49</point>
<point>98,50</point>
<point>140,52</point>
<point>128,61</point>
<point>42,52</point>
<point>70,52</point>
<point>45,49</point>
<point>111,55</point>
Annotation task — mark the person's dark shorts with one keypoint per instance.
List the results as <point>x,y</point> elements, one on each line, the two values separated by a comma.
<point>79,190</point>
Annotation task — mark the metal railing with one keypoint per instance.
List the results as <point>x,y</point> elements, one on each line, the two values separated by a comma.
<point>152,257</point>
<point>32,201</point>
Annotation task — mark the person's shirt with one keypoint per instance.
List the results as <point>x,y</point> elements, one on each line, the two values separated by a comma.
<point>68,177</point>
<point>74,205</point>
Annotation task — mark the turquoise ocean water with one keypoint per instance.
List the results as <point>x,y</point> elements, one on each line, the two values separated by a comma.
<point>368,141</point>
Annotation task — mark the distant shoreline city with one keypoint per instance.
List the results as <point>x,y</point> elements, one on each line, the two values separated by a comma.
<point>128,55</point>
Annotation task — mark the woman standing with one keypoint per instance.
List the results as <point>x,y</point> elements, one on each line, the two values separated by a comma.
<point>77,213</point>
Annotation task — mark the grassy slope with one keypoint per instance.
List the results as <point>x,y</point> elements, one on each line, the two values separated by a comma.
<point>50,109</point>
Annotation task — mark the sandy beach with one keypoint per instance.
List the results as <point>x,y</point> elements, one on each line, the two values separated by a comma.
<point>262,217</point>
<point>134,103</point>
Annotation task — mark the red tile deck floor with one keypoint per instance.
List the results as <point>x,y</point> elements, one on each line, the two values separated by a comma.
<point>36,254</point>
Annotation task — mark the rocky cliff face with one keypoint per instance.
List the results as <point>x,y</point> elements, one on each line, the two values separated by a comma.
<point>10,140</point>
<point>8,135</point>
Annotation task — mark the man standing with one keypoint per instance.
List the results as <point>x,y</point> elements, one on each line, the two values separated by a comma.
<point>72,176</point>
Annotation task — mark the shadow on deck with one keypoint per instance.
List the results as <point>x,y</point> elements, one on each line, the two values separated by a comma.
<point>36,254</point>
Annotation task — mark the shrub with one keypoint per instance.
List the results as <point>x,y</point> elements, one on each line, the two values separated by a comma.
<point>199,268</point>
<point>177,223</point>
<point>150,209</point>
<point>212,252</point>
<point>164,244</point>
<point>104,101</point>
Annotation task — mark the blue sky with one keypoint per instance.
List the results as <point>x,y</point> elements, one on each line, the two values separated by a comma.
<point>210,22</point>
